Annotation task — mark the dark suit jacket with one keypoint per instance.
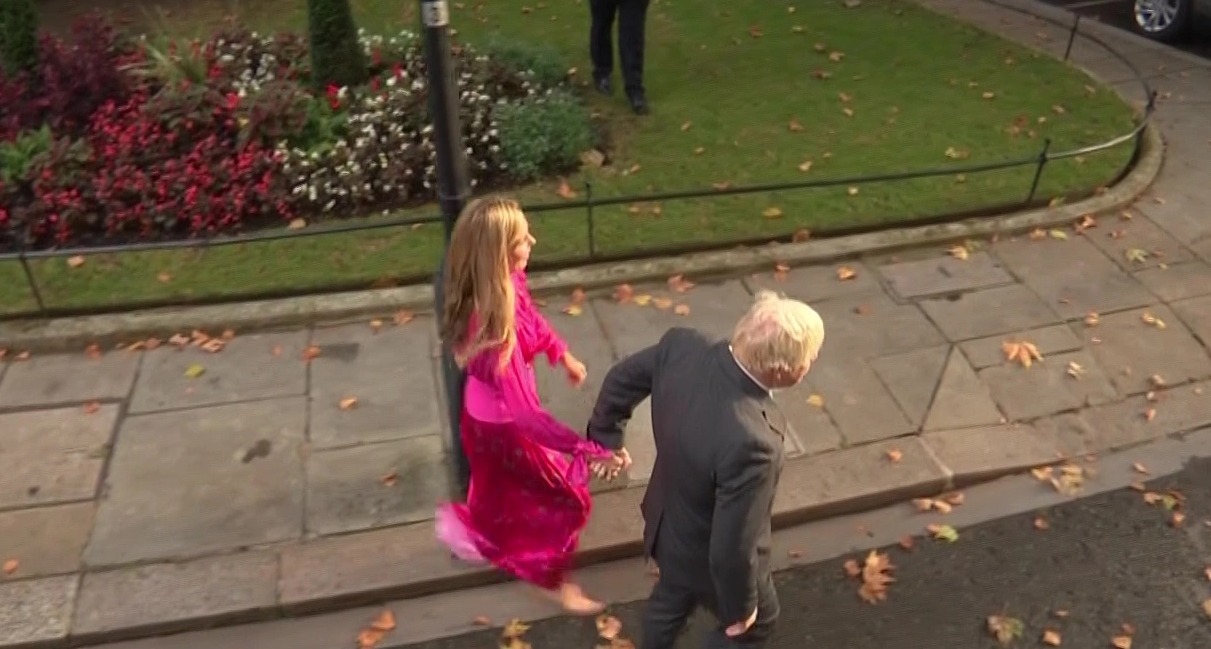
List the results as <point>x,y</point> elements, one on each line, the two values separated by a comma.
<point>719,456</point>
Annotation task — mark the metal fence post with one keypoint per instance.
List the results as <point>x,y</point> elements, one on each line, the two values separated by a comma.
<point>1038,170</point>
<point>588,197</point>
<point>453,189</point>
<point>30,280</point>
<point>1072,35</point>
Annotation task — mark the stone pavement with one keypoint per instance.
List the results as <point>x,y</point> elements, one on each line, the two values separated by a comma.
<point>155,490</point>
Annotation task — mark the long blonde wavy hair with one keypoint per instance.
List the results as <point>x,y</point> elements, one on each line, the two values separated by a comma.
<point>477,279</point>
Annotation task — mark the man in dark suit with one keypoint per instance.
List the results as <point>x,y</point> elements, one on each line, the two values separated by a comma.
<point>632,17</point>
<point>719,455</point>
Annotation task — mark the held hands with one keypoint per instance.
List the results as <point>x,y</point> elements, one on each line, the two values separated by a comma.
<point>575,369</point>
<point>740,628</point>
<point>609,469</point>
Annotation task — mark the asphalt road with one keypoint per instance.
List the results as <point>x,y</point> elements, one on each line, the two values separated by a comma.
<point>1106,560</point>
<point>1118,13</point>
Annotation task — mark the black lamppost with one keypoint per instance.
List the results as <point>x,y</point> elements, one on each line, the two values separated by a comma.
<point>453,189</point>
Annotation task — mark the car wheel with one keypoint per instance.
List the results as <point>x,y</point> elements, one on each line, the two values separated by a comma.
<point>1162,20</point>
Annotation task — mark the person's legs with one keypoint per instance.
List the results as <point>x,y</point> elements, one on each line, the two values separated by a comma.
<point>665,615</point>
<point>632,22</point>
<point>601,42</point>
<point>768,609</point>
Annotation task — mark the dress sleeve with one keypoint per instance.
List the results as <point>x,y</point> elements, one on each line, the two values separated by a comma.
<point>546,339</point>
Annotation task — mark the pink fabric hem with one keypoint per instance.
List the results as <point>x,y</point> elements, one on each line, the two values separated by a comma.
<point>454,534</point>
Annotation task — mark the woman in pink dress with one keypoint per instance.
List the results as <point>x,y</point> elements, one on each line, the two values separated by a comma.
<point>528,499</point>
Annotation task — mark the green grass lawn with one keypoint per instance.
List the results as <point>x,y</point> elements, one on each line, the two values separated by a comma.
<point>726,82</point>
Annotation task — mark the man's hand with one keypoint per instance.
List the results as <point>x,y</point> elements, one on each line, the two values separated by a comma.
<point>575,369</point>
<point>740,628</point>
<point>610,469</point>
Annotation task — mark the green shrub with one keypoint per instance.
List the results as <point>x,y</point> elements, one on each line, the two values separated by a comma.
<point>336,55</point>
<point>543,135</point>
<point>18,36</point>
<point>543,61</point>
<point>17,156</point>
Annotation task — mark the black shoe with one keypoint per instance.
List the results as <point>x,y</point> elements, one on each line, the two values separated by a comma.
<point>639,104</point>
<point>603,85</point>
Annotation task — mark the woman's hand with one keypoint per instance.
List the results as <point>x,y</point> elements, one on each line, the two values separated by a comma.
<point>609,469</point>
<point>575,369</point>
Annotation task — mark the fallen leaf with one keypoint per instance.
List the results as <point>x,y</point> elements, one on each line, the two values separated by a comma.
<point>815,400</point>
<point>988,94</point>
<point>846,273</point>
<point>11,565</point>
<point>1136,255</point>
<point>573,310</point>
<point>895,455</point>
<point>1177,519</point>
<point>311,353</point>
<point>578,296</point>
<point>164,278</point>
<point>482,620</point>
<point>1207,607</point>
<point>923,504</point>
<point>22,357</point>
<point>852,191</point>
<point>1092,319</point>
<point>369,638</point>
<point>959,252</point>
<point>944,533</point>
<point>194,371</point>
<point>1058,234</point>
<point>852,568</point>
<point>403,317</point>
<point>1041,524</point>
<point>608,626</point>
<point>1051,638</point>
<point>1075,370</point>
<point>772,213</point>
<point>643,299</point>
<point>1060,613</point>
<point>384,622</point>
<point>514,629</point>
<point>1139,468</point>
<point>1005,629</point>
<point>681,310</point>
<point>1041,474</point>
<point>623,293</point>
<point>1121,642</point>
<point>801,235</point>
<point>1150,414</point>
<point>75,262</point>
<point>389,479</point>
<point>1150,319</point>
<point>565,190</point>
<point>956,498</point>
<point>686,126</point>
<point>214,345</point>
<point>794,125</point>
<point>805,166</point>
<point>907,542</point>
<point>1023,352</point>
<point>662,303</point>
<point>276,351</point>
<point>93,351</point>
<point>836,57</point>
<point>679,284</point>
<point>348,403</point>
<point>942,507</point>
<point>92,407</point>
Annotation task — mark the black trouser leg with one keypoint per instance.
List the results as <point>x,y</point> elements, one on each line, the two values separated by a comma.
<point>665,615</point>
<point>632,19</point>
<point>768,609</point>
<point>601,36</point>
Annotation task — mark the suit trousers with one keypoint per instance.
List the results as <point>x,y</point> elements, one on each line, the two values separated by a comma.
<point>632,17</point>
<point>671,604</point>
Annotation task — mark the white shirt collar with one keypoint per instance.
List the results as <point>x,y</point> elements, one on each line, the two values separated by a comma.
<point>748,373</point>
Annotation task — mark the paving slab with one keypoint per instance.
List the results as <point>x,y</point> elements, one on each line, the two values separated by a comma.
<point>587,342</point>
<point>987,312</point>
<point>976,454</point>
<point>1177,203</point>
<point>365,567</point>
<point>1054,339</point>
<point>225,478</point>
<point>714,310</point>
<point>259,366</point>
<point>1131,351</point>
<point>813,284</point>
<point>1136,244</point>
<point>812,429</point>
<point>53,456</point>
<point>392,376</point>
<point>36,611</point>
<point>1178,281</point>
<point>68,378</point>
<point>961,399</point>
<point>166,597</point>
<point>856,478</point>
<point>1136,420</point>
<point>867,326</point>
<point>376,485</point>
<point>1087,281</point>
<point>45,540</point>
<point>1046,388</point>
<point>1196,313</point>
<point>944,274</point>
<point>912,378</point>
<point>857,401</point>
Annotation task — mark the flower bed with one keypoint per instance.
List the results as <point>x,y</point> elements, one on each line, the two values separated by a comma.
<point>120,140</point>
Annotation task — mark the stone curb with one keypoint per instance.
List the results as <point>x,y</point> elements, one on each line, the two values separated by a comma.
<point>70,334</point>
<point>406,562</point>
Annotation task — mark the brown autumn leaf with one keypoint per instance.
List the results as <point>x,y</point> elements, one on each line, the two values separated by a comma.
<point>805,166</point>
<point>376,325</point>
<point>895,455</point>
<point>1041,524</point>
<point>755,31</point>
<point>1207,607</point>
<point>514,629</point>
<point>876,576</point>
<point>608,627</point>
<point>1121,642</point>
<point>1005,629</point>
<point>623,293</point>
<point>75,262</point>
<point>816,401</point>
<point>311,353</point>
<point>1150,414</point>
<point>836,56</point>
<point>11,566</point>
<point>573,310</point>
<point>772,213</point>
<point>794,125</point>
<point>1023,352</point>
<point>662,303</point>
<point>681,310</point>
<point>846,273</point>
<point>565,190</point>
<point>1051,638</point>
<point>1150,319</point>
<point>1207,572</point>
<point>959,252</point>
<point>685,126</point>
<point>164,278</point>
<point>297,224</point>
<point>679,284</point>
<point>923,504</point>
<point>370,638</point>
<point>92,407</point>
<point>801,235</point>
<point>276,351</point>
<point>214,345</point>
<point>578,296</point>
<point>1139,468</point>
<point>384,622</point>
<point>1177,519</point>
<point>852,568</point>
<point>1092,319</point>
<point>93,351</point>
<point>348,403</point>
<point>907,542</point>
<point>389,479</point>
<point>720,186</point>
<point>955,498</point>
<point>403,317</point>
<point>852,191</point>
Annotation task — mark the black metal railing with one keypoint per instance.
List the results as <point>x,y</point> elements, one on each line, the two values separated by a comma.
<point>1038,161</point>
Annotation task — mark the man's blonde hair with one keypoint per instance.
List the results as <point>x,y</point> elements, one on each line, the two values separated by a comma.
<point>778,334</point>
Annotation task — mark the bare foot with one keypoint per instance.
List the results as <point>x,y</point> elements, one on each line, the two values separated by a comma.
<point>573,600</point>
